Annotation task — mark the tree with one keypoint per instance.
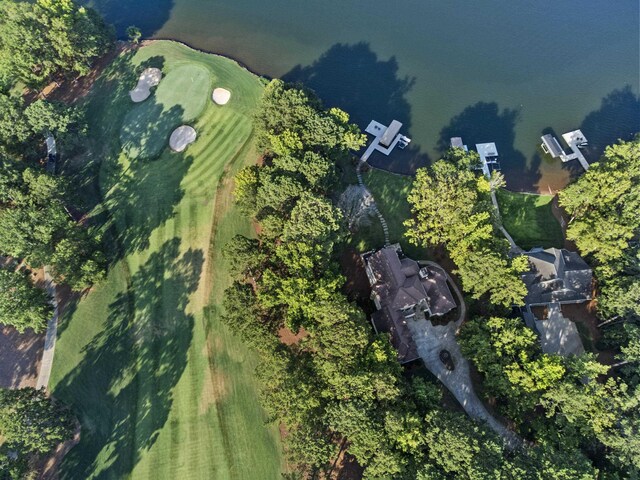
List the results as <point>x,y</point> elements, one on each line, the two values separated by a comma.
<point>25,127</point>
<point>604,204</point>
<point>489,272</point>
<point>460,448</point>
<point>22,305</point>
<point>30,422</point>
<point>35,226</point>
<point>450,206</point>
<point>508,354</point>
<point>134,34</point>
<point>290,119</point>
<point>51,37</point>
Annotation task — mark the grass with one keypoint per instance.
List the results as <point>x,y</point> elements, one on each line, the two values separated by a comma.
<point>160,386</point>
<point>390,192</point>
<point>529,219</point>
<point>180,97</point>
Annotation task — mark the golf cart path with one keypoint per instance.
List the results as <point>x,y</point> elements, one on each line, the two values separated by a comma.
<point>50,339</point>
<point>430,340</point>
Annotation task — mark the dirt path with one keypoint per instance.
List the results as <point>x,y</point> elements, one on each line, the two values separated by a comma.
<point>20,355</point>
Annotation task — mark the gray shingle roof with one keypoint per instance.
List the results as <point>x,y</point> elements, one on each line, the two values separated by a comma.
<point>400,287</point>
<point>557,276</point>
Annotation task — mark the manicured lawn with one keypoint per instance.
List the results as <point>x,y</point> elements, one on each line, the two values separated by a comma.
<point>161,387</point>
<point>390,192</point>
<point>180,97</point>
<point>529,220</point>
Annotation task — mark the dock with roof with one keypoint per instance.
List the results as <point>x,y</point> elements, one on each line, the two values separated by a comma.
<point>574,139</point>
<point>385,139</point>
<point>489,157</point>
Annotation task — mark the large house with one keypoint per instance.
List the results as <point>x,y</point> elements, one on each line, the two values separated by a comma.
<point>400,288</point>
<point>557,276</point>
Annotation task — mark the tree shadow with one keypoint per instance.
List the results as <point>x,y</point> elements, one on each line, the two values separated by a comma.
<point>122,389</point>
<point>143,197</point>
<point>146,128</point>
<point>617,118</point>
<point>148,15</point>
<point>353,78</point>
<point>484,122</point>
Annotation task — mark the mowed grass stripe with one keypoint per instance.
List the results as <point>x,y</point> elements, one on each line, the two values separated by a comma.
<point>161,388</point>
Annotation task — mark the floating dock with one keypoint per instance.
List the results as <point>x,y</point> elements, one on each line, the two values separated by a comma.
<point>456,142</point>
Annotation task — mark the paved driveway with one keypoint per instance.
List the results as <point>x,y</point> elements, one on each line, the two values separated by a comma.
<point>430,340</point>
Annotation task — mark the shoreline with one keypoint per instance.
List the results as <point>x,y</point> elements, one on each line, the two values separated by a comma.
<point>244,66</point>
<point>241,64</point>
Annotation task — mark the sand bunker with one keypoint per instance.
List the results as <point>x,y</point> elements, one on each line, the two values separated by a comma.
<point>221,96</point>
<point>149,78</point>
<point>181,137</point>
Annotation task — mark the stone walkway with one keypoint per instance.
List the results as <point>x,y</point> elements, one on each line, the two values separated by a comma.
<point>50,339</point>
<point>383,222</point>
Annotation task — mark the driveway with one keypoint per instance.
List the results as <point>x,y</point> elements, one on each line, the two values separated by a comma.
<point>430,340</point>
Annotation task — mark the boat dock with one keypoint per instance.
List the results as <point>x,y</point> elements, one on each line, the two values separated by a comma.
<point>385,138</point>
<point>489,157</point>
<point>487,151</point>
<point>574,139</point>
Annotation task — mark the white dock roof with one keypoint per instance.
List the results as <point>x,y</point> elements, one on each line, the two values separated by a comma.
<point>456,142</point>
<point>487,150</point>
<point>390,133</point>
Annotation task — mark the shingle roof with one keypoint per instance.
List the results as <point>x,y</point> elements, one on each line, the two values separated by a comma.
<point>557,276</point>
<point>400,287</point>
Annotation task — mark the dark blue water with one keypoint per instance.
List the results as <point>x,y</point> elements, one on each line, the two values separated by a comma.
<point>498,71</point>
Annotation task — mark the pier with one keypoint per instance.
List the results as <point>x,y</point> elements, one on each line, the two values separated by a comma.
<point>489,157</point>
<point>574,139</point>
<point>385,138</point>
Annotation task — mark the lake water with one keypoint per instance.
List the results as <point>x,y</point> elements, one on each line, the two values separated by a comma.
<point>489,71</point>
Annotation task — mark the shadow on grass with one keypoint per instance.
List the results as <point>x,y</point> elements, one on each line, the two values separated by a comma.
<point>122,389</point>
<point>143,197</point>
<point>146,129</point>
<point>529,220</point>
<point>485,122</point>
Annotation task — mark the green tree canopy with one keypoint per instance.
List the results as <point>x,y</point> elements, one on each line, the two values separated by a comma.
<point>35,226</point>
<point>604,204</point>
<point>45,38</point>
<point>31,422</point>
<point>22,305</point>
<point>451,207</point>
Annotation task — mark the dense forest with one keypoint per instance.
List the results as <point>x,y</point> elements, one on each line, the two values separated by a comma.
<point>40,42</point>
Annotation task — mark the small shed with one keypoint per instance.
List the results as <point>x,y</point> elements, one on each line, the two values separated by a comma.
<point>390,133</point>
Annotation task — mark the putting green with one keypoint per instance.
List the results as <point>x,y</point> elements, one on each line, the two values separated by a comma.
<point>180,98</point>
